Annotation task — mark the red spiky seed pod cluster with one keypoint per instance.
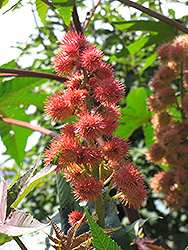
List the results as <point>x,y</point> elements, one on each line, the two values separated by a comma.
<point>87,143</point>
<point>170,122</point>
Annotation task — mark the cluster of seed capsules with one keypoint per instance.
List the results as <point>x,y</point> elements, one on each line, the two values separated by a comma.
<point>89,153</point>
<point>169,104</point>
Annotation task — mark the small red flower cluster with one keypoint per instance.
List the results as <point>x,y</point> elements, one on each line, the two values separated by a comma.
<point>87,148</point>
<point>74,217</point>
<point>170,122</point>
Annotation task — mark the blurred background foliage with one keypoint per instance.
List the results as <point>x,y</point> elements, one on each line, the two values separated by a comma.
<point>129,39</point>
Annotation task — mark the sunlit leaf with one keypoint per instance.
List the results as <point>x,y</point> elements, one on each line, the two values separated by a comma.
<point>14,137</point>
<point>136,46</point>
<point>42,10</point>
<point>144,25</point>
<point>101,241</point>
<point>16,188</point>
<point>3,3</point>
<point>14,95</point>
<point>65,8</point>
<point>148,62</point>
<point>135,114</point>
<point>33,182</point>
<point>148,133</point>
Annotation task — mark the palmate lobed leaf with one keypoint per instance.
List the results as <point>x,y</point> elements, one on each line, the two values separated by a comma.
<point>15,97</point>
<point>135,114</point>
<point>14,137</point>
<point>159,32</point>
<point>17,91</point>
<point>100,240</point>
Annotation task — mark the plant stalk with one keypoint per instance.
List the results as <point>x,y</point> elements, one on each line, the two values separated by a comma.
<point>76,20</point>
<point>154,14</point>
<point>29,126</point>
<point>99,208</point>
<point>19,242</point>
<point>182,90</point>
<point>30,73</point>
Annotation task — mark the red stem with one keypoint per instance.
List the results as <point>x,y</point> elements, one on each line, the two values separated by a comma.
<point>30,73</point>
<point>91,15</point>
<point>152,13</point>
<point>49,4</point>
<point>29,126</point>
<point>76,20</point>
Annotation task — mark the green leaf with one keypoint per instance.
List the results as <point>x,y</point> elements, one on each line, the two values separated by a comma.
<point>136,225</point>
<point>33,182</point>
<point>149,134</point>
<point>17,91</point>
<point>65,8</point>
<point>159,32</point>
<point>101,241</point>
<point>14,137</point>
<point>14,190</point>
<point>64,192</point>
<point>148,62</point>
<point>186,248</point>
<point>3,3</point>
<point>10,65</point>
<point>14,95</point>
<point>42,10</point>
<point>12,7</point>
<point>135,114</point>
<point>66,201</point>
<point>143,25</point>
<point>138,45</point>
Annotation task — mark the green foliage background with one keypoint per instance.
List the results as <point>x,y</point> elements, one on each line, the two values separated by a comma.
<point>130,46</point>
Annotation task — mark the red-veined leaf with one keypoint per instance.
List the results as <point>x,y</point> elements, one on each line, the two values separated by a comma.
<point>18,223</point>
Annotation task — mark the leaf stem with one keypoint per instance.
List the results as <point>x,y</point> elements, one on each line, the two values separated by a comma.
<point>30,73</point>
<point>182,90</point>
<point>109,179</point>
<point>152,13</point>
<point>76,20</point>
<point>99,208</point>
<point>108,191</point>
<point>19,242</point>
<point>50,4</point>
<point>91,15</point>
<point>29,126</point>
<point>114,197</point>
